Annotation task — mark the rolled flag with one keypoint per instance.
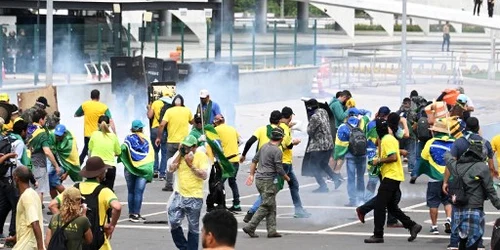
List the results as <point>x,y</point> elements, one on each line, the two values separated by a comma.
<point>138,156</point>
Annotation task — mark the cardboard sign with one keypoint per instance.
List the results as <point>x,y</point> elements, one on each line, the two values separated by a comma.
<point>26,100</point>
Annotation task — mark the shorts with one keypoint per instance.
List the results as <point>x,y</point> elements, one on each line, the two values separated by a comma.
<point>54,179</point>
<point>435,195</point>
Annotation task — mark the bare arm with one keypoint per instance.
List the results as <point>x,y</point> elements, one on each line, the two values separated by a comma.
<point>38,235</point>
<point>48,236</point>
<point>52,159</point>
<point>160,132</point>
<point>112,124</point>
<point>115,215</point>
<point>54,206</point>
<point>88,237</point>
<point>175,163</point>
<point>150,112</point>
<point>200,173</point>
<point>404,123</point>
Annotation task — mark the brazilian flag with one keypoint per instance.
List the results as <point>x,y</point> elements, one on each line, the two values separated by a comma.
<point>213,140</point>
<point>138,156</point>
<point>66,152</point>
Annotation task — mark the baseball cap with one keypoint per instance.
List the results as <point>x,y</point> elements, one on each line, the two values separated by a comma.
<point>275,115</point>
<point>43,101</point>
<point>286,112</point>
<point>137,124</point>
<point>189,141</point>
<point>59,130</point>
<point>462,98</point>
<point>383,111</point>
<point>204,93</point>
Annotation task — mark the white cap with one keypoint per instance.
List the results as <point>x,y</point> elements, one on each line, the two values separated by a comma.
<point>204,93</point>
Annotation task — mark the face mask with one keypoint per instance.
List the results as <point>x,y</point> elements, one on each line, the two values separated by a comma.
<point>400,133</point>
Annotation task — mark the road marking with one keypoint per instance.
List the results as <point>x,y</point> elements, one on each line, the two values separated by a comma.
<point>366,219</point>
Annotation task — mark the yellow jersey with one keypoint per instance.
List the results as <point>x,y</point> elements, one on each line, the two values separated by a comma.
<point>91,111</point>
<point>177,119</point>
<point>389,145</point>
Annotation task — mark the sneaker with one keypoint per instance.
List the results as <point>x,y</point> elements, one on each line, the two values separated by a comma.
<point>321,190</point>
<point>134,218</point>
<point>413,180</point>
<point>302,214</point>
<point>141,218</point>
<point>235,208</point>
<point>361,215</point>
<point>167,189</point>
<point>274,235</point>
<point>374,239</point>
<point>450,247</point>
<point>434,230</point>
<point>156,174</point>
<point>447,228</point>
<point>414,232</point>
<point>248,217</point>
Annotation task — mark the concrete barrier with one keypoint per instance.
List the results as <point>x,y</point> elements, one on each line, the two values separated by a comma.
<point>275,85</point>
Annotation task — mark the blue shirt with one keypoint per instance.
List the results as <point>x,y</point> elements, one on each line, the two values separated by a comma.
<point>461,145</point>
<point>215,111</point>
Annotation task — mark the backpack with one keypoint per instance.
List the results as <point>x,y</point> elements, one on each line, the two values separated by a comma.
<point>92,201</point>
<point>476,150</point>
<point>6,148</point>
<point>163,109</point>
<point>423,133</point>
<point>58,240</point>
<point>456,187</point>
<point>495,236</point>
<point>357,141</point>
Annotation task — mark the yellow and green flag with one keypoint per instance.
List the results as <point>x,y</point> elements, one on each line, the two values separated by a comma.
<point>66,153</point>
<point>138,156</point>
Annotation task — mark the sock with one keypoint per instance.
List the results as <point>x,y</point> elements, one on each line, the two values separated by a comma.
<point>434,226</point>
<point>448,219</point>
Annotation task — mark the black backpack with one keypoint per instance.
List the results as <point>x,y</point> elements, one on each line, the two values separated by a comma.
<point>166,106</point>
<point>58,240</point>
<point>92,201</point>
<point>423,133</point>
<point>6,148</point>
<point>495,236</point>
<point>456,187</point>
<point>357,141</point>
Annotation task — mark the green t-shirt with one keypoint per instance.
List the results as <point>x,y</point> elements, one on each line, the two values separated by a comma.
<point>74,232</point>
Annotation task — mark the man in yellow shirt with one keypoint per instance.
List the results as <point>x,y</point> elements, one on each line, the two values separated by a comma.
<point>154,115</point>
<point>177,120</point>
<point>91,111</point>
<point>495,145</point>
<point>230,139</point>
<point>187,200</point>
<point>29,217</point>
<point>392,175</point>
<point>95,172</point>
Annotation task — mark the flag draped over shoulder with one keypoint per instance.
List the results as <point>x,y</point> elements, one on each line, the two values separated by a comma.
<point>432,161</point>
<point>25,158</point>
<point>66,152</point>
<point>38,138</point>
<point>138,156</point>
<point>213,140</point>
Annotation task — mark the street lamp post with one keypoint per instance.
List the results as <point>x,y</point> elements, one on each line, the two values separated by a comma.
<point>403,52</point>
<point>49,42</point>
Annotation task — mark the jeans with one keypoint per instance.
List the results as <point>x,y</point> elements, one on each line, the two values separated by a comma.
<point>356,168</point>
<point>85,150</point>
<point>179,208</point>
<point>135,186</point>
<point>160,164</point>
<point>171,150</point>
<point>8,202</point>
<point>454,237</point>
<point>409,144</point>
<point>446,40</point>
<point>293,185</point>
<point>233,185</point>
<point>387,198</point>
<point>319,162</point>
<point>420,145</point>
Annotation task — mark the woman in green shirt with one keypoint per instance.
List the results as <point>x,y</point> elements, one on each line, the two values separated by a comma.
<point>72,213</point>
<point>104,144</point>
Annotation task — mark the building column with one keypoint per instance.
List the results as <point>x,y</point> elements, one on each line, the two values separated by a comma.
<point>302,16</point>
<point>166,23</point>
<point>261,16</point>
<point>227,14</point>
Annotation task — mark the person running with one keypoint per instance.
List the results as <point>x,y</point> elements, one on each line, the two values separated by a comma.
<point>104,144</point>
<point>210,109</point>
<point>392,175</point>
<point>138,158</point>
<point>270,159</point>
<point>29,218</point>
<point>433,165</point>
<point>91,111</point>
<point>230,140</point>
<point>77,230</point>
<point>177,119</point>
<point>191,166</point>
<point>219,230</point>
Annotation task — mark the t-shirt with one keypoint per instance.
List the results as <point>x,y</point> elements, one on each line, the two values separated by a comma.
<point>461,145</point>
<point>29,210</point>
<point>287,140</point>
<point>495,145</point>
<point>92,110</point>
<point>229,140</point>
<point>106,196</point>
<point>156,106</point>
<point>261,135</point>
<point>270,160</point>
<point>190,185</point>
<point>105,146</point>
<point>74,231</point>
<point>177,119</point>
<point>394,170</point>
